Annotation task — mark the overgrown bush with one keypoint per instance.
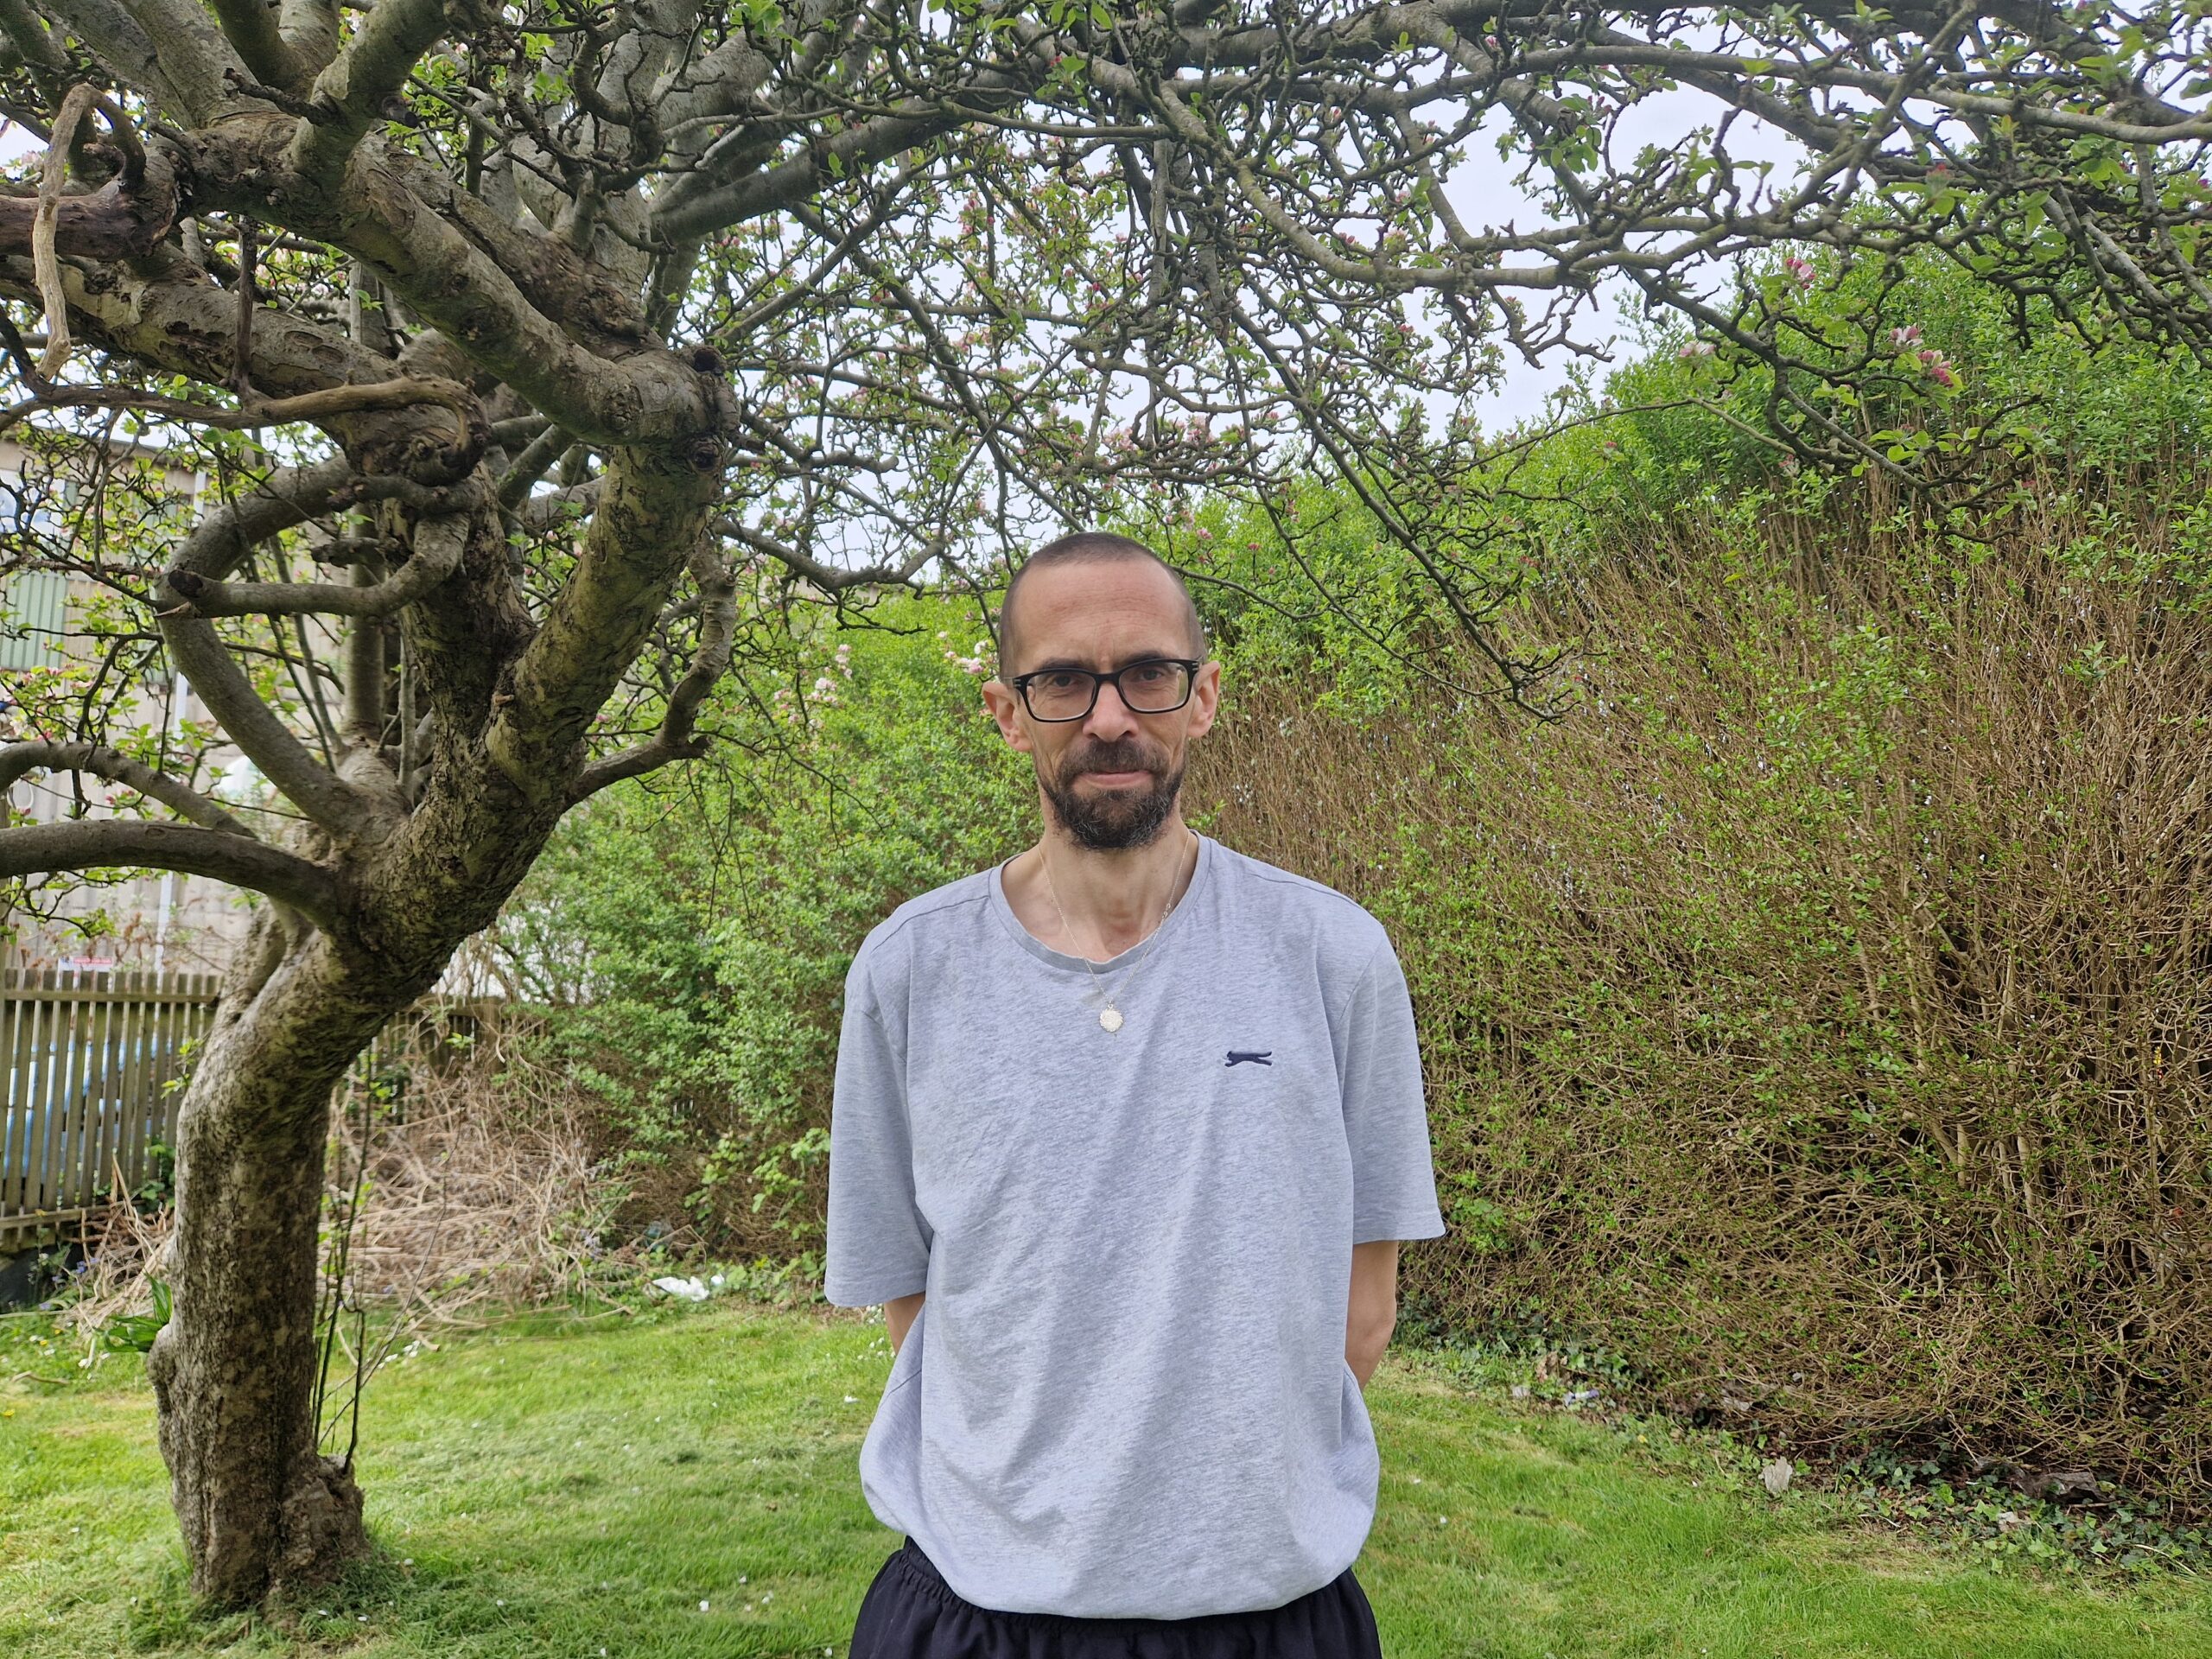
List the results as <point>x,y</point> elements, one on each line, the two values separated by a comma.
<point>1814,1015</point>
<point>1817,1013</point>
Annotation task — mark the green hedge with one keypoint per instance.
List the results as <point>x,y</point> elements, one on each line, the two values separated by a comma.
<point>1817,1015</point>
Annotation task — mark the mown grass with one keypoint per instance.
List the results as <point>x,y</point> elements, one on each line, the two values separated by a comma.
<point>682,1482</point>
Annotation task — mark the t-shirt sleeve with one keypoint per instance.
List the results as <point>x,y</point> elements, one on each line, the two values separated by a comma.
<point>1386,1113</point>
<point>877,1246</point>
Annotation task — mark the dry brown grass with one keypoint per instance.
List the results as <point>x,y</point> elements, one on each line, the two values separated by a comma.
<point>478,1196</point>
<point>1841,1055</point>
<point>481,1198</point>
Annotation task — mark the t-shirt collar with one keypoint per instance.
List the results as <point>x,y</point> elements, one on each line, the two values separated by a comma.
<point>1075,964</point>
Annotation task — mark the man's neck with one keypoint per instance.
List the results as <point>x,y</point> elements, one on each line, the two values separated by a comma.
<point>1112,898</point>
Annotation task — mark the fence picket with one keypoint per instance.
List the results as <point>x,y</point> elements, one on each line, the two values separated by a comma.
<point>43,1100</point>
<point>130,1128</point>
<point>86,1061</point>
<point>99,1122</point>
<point>16,1079</point>
<point>43,1016</point>
<point>84,1058</point>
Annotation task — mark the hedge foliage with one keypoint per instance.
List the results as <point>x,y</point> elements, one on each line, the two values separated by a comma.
<point>695,927</point>
<point>1815,1016</point>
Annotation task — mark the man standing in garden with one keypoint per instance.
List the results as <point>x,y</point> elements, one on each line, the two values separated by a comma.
<point>1125,1134</point>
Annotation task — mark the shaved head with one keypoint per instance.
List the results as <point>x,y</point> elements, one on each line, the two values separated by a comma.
<point>1088,547</point>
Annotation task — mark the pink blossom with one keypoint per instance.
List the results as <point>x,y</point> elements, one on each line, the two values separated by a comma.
<point>1696,348</point>
<point>1799,270</point>
<point>1938,368</point>
<point>1903,337</point>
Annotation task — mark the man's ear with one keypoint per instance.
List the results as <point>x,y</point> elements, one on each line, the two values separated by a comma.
<point>1206,700</point>
<point>1006,709</point>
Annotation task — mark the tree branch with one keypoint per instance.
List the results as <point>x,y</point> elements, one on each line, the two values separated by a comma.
<point>197,71</point>
<point>833,578</point>
<point>677,739</point>
<point>38,755</point>
<point>471,433</point>
<point>175,76</point>
<point>697,205</point>
<point>310,28</point>
<point>350,94</point>
<point>438,544</point>
<point>26,32</point>
<point>251,29</point>
<point>292,496</point>
<point>650,513</point>
<point>351,814</point>
<point>100,843</point>
<point>45,265</point>
<point>163,311</point>
<point>518,305</point>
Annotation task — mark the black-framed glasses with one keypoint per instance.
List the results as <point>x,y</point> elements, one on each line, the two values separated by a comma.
<point>1152,685</point>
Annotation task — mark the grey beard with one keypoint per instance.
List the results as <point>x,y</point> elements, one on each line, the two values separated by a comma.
<point>1111,823</point>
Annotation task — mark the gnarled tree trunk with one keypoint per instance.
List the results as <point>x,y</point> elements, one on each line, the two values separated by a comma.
<point>234,1371</point>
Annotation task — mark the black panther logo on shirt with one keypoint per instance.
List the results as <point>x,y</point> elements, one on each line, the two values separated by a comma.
<point>1258,1057</point>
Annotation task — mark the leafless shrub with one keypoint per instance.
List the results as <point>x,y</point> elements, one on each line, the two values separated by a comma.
<point>478,1194</point>
<point>1821,1015</point>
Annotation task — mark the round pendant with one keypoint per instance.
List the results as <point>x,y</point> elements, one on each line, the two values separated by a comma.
<point>1111,1018</point>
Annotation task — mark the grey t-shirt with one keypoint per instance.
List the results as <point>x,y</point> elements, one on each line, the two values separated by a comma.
<point>1125,1395</point>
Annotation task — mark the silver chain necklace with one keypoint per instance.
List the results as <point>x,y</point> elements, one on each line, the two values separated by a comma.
<point>1110,1016</point>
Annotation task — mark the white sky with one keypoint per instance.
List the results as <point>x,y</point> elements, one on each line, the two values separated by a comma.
<point>1486,195</point>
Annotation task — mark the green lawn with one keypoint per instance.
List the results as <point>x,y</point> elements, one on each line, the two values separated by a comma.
<point>685,1484</point>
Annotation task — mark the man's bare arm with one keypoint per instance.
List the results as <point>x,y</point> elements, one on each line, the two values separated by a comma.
<point>899,1315</point>
<point>1374,1310</point>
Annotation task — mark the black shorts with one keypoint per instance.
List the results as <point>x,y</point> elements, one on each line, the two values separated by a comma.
<point>910,1612</point>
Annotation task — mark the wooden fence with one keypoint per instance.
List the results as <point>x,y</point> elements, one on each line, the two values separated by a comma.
<point>90,1067</point>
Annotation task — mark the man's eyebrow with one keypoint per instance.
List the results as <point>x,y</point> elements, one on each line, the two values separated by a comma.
<point>1141,657</point>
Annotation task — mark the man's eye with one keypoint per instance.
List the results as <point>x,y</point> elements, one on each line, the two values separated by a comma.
<point>1061,682</point>
<point>1154,673</point>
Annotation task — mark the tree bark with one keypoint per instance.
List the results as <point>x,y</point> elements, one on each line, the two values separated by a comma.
<point>262,1510</point>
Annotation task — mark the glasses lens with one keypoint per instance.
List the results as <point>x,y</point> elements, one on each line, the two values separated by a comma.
<point>1060,695</point>
<point>1154,688</point>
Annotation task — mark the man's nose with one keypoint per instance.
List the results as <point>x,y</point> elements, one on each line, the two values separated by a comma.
<point>1109,717</point>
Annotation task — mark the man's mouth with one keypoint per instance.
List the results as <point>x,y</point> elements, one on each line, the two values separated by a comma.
<point>1114,780</point>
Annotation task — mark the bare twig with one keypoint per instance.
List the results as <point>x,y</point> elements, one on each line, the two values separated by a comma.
<point>45,264</point>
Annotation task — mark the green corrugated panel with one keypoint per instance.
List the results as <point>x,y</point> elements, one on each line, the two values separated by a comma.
<point>36,606</point>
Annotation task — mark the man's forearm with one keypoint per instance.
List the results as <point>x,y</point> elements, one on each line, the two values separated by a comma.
<point>898,1316</point>
<point>1372,1311</point>
<point>1363,1350</point>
